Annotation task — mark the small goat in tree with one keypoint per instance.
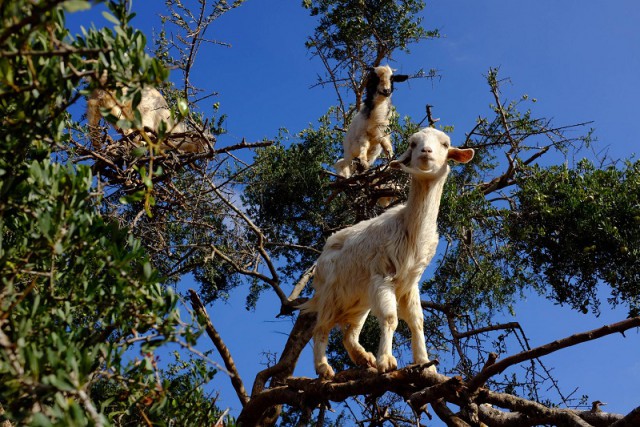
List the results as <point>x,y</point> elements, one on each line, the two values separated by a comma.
<point>153,109</point>
<point>367,135</point>
<point>375,265</point>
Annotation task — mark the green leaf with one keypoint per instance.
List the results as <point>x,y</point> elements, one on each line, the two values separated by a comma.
<point>147,269</point>
<point>57,248</point>
<point>183,107</point>
<point>76,5</point>
<point>109,17</point>
<point>40,420</point>
<point>132,198</point>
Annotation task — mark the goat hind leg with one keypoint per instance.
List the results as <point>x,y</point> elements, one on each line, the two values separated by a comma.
<point>350,334</point>
<point>320,340</point>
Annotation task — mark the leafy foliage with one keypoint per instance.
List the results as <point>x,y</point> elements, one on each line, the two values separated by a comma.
<point>90,239</point>
<point>287,192</point>
<point>353,35</point>
<point>79,293</point>
<point>360,31</point>
<point>580,228</point>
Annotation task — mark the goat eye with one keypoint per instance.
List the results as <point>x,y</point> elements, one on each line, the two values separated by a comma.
<point>412,145</point>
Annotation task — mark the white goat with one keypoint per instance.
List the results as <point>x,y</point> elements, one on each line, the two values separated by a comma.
<point>367,135</point>
<point>376,264</point>
<point>153,110</point>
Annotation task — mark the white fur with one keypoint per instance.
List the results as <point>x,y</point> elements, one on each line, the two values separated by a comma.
<point>367,136</point>
<point>376,264</point>
<point>153,110</point>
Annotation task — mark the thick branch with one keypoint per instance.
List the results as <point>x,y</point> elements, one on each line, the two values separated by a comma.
<point>299,287</point>
<point>420,387</point>
<point>632,419</point>
<point>445,414</point>
<point>533,413</point>
<point>278,373</point>
<point>311,392</point>
<point>430,394</point>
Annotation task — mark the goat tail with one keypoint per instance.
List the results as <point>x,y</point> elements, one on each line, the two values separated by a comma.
<point>309,306</point>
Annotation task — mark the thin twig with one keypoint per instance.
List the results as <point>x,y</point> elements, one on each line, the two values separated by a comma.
<point>236,381</point>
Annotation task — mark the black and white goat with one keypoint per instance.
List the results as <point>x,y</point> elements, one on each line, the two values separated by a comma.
<point>367,135</point>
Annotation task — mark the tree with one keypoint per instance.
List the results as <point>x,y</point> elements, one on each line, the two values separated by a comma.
<point>80,298</point>
<point>489,219</point>
<point>93,239</point>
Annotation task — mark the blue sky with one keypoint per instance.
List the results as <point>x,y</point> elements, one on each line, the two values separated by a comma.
<point>579,58</point>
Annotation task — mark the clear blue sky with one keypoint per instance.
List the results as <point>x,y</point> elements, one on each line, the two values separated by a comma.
<point>579,58</point>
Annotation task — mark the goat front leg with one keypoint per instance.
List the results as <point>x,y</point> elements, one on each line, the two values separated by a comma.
<point>385,309</point>
<point>385,142</point>
<point>364,145</point>
<point>410,310</point>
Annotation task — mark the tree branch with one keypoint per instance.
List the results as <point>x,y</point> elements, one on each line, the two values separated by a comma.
<point>236,381</point>
<point>551,347</point>
<point>632,419</point>
<point>421,387</point>
<point>278,373</point>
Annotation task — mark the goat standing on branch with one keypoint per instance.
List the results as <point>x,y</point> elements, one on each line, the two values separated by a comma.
<point>376,264</point>
<point>154,110</point>
<point>367,135</point>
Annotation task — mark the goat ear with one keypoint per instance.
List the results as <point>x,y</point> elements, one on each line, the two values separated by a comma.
<point>394,164</point>
<point>404,159</point>
<point>399,78</point>
<point>460,155</point>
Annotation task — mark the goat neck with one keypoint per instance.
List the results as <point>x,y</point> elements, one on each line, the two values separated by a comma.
<point>423,204</point>
<point>378,114</point>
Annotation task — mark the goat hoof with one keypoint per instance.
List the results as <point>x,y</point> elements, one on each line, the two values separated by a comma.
<point>431,368</point>
<point>325,371</point>
<point>365,359</point>
<point>386,363</point>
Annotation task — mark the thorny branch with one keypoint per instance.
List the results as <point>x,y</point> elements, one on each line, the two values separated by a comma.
<point>552,347</point>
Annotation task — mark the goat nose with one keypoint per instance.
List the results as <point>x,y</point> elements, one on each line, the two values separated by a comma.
<point>427,150</point>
